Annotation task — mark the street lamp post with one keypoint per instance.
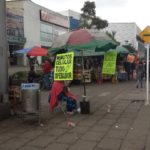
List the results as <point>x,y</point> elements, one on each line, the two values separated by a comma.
<point>3,50</point>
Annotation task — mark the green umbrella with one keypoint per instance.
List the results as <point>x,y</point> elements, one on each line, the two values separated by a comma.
<point>83,39</point>
<point>120,50</point>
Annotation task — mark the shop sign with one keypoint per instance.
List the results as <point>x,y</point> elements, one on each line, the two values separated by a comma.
<point>109,64</point>
<point>64,66</point>
<point>16,39</point>
<point>54,18</point>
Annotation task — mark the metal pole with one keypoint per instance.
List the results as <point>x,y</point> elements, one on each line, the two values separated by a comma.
<point>147,76</point>
<point>3,50</point>
<point>84,96</point>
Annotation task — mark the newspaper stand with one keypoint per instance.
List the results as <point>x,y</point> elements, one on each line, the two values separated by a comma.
<point>31,100</point>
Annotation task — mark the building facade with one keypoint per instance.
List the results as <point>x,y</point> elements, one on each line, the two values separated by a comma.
<point>31,25</point>
<point>126,33</point>
<point>73,18</point>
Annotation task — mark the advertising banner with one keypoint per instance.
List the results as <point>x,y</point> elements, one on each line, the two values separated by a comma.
<point>109,65</point>
<point>54,18</point>
<point>15,26</point>
<point>64,66</point>
<point>14,23</point>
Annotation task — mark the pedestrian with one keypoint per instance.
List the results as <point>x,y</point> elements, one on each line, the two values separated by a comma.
<point>32,76</point>
<point>46,67</point>
<point>132,69</point>
<point>140,74</point>
<point>46,74</point>
<point>127,66</point>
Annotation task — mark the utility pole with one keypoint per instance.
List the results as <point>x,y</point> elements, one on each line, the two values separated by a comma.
<point>145,35</point>
<point>3,50</point>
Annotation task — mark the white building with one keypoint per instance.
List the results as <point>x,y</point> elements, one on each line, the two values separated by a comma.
<point>71,13</point>
<point>125,33</point>
<point>37,25</point>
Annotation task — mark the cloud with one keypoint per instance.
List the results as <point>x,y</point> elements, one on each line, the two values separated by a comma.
<point>110,3</point>
<point>111,10</point>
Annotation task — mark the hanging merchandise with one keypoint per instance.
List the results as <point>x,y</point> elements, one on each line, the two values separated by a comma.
<point>130,58</point>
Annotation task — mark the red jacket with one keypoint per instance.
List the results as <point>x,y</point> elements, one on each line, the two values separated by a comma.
<point>46,67</point>
<point>57,88</point>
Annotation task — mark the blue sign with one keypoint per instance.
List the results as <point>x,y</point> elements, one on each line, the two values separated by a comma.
<point>30,86</point>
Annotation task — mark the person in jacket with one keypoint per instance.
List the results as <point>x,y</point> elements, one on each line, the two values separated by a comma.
<point>60,92</point>
<point>140,74</point>
<point>32,76</point>
<point>47,67</point>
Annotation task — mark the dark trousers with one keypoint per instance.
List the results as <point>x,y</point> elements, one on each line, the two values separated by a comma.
<point>71,104</point>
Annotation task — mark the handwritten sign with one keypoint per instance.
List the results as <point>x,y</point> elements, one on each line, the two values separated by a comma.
<point>109,65</point>
<point>64,66</point>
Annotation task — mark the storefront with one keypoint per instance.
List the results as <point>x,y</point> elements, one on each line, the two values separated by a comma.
<point>51,25</point>
<point>28,25</point>
<point>92,68</point>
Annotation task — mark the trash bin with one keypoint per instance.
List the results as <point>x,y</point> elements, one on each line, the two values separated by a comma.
<point>30,97</point>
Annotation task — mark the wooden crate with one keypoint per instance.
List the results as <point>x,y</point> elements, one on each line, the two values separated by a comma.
<point>14,95</point>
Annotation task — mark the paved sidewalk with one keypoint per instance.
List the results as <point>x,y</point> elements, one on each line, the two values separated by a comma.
<point>125,127</point>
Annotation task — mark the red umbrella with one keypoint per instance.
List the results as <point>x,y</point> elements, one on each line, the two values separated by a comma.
<point>83,39</point>
<point>33,51</point>
<point>38,51</point>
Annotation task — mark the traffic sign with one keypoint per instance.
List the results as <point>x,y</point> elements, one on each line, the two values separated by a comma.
<point>145,34</point>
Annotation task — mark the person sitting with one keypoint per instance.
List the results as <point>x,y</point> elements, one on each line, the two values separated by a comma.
<point>32,76</point>
<point>60,92</point>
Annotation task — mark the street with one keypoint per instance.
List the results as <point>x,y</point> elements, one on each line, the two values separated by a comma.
<point>118,120</point>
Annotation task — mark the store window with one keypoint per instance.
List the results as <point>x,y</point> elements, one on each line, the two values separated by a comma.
<point>46,35</point>
<point>49,32</point>
<point>57,30</point>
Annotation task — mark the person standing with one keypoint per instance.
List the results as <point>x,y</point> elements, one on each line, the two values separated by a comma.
<point>140,74</point>
<point>127,66</point>
<point>46,71</point>
<point>32,76</point>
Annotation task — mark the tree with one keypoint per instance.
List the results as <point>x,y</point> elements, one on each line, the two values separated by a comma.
<point>130,48</point>
<point>112,36</point>
<point>89,19</point>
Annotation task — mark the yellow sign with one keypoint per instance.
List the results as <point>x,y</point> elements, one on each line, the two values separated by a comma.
<point>145,34</point>
<point>64,66</point>
<point>109,66</point>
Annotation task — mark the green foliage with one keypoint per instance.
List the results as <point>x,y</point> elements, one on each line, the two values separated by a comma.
<point>89,19</point>
<point>23,75</point>
<point>130,48</point>
<point>112,36</point>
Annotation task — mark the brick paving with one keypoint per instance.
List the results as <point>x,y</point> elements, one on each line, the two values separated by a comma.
<point>125,127</point>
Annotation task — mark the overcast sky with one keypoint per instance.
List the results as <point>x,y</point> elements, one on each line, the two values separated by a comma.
<point>112,10</point>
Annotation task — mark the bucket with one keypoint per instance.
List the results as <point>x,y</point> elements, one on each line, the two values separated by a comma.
<point>85,107</point>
